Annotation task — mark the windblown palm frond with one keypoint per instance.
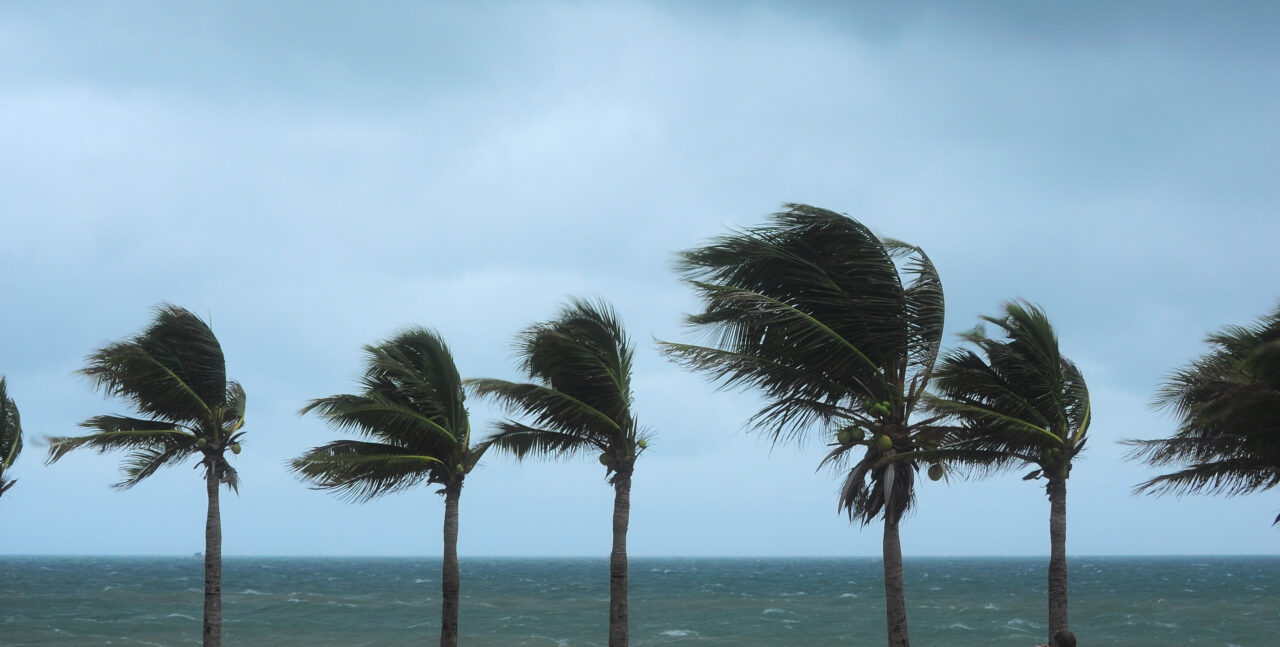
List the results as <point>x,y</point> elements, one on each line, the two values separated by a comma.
<point>1015,401</point>
<point>1228,407</point>
<point>10,435</point>
<point>411,405</point>
<point>835,326</point>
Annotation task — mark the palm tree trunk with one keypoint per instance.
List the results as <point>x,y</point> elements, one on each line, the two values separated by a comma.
<point>895,597</point>
<point>451,579</point>
<point>1057,554</point>
<point>619,629</point>
<point>213,560</point>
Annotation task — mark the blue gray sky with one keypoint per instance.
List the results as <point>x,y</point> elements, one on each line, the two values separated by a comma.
<point>312,177</point>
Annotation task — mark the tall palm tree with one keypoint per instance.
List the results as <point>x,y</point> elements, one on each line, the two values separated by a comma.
<point>1227,403</point>
<point>412,409</point>
<point>174,375</point>
<point>1017,402</point>
<point>839,330</point>
<point>579,401</point>
<point>10,435</point>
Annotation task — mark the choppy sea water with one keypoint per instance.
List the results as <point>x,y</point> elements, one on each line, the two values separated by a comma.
<point>347,602</point>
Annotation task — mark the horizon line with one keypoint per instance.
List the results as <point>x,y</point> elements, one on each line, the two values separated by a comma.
<point>680,557</point>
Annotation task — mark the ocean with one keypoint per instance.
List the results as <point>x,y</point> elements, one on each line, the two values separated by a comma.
<point>349,602</point>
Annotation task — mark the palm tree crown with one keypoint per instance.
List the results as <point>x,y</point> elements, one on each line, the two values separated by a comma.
<point>1227,403</point>
<point>174,374</point>
<point>411,408</point>
<point>10,435</point>
<point>838,328</point>
<point>580,397</point>
<point>1018,400</point>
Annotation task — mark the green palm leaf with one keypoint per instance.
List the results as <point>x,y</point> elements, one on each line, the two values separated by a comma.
<point>521,440</point>
<point>360,471</point>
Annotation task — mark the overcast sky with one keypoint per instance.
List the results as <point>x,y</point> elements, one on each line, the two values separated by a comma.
<point>311,177</point>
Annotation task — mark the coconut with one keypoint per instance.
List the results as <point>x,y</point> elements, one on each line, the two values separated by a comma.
<point>643,443</point>
<point>604,459</point>
<point>202,443</point>
<point>235,448</point>
<point>844,436</point>
<point>883,442</point>
<point>935,472</point>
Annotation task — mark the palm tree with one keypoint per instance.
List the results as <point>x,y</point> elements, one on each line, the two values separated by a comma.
<point>10,435</point>
<point>1017,402</point>
<point>411,407</point>
<point>174,375</point>
<point>1228,407</point>
<point>579,401</point>
<point>840,330</point>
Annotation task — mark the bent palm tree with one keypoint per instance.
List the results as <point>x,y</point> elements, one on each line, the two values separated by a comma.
<point>411,407</point>
<point>1019,402</point>
<point>579,402</point>
<point>840,330</point>
<point>10,435</point>
<point>174,374</point>
<point>1228,407</point>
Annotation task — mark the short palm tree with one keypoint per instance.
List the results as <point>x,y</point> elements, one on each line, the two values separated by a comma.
<point>174,375</point>
<point>412,409</point>
<point>1228,407</point>
<point>1017,402</point>
<point>10,435</point>
<point>840,331</point>
<point>579,401</point>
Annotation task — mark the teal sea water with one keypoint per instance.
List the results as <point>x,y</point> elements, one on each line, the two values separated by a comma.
<point>344,602</point>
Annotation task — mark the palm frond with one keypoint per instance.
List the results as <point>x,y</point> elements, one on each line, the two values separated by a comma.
<point>523,441</point>
<point>144,462</point>
<point>155,439</point>
<point>379,417</point>
<point>925,315</point>
<point>10,428</point>
<point>236,403</point>
<point>548,407</point>
<point>360,471</point>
